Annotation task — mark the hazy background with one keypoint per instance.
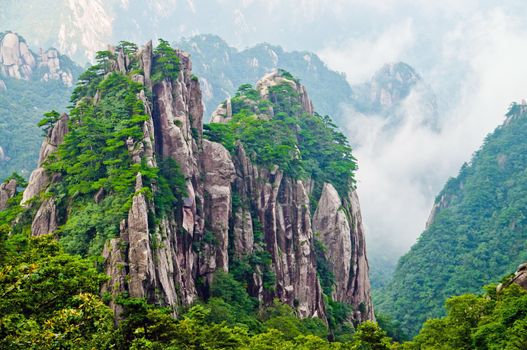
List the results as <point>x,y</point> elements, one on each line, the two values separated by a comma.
<point>473,54</point>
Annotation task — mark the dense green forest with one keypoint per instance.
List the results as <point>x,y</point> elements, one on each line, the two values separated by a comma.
<point>21,107</point>
<point>478,235</point>
<point>493,320</point>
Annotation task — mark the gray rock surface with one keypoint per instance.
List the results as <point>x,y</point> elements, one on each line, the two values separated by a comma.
<point>7,191</point>
<point>227,198</point>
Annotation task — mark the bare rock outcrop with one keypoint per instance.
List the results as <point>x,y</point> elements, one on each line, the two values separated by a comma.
<point>519,278</point>
<point>16,61</point>
<point>140,259</point>
<point>282,209</point>
<point>45,220</point>
<point>218,171</point>
<point>19,62</point>
<point>276,77</point>
<point>50,61</point>
<point>40,179</point>
<point>339,226</point>
<point>7,191</point>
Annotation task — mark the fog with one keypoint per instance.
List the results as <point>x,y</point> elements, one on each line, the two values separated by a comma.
<point>480,71</point>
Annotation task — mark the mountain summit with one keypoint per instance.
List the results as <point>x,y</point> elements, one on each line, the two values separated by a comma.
<point>266,195</point>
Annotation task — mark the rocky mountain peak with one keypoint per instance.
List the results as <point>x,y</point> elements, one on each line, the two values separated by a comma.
<point>19,62</point>
<point>193,203</point>
<point>390,86</point>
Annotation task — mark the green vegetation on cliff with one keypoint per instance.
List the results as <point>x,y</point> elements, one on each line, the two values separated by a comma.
<point>302,145</point>
<point>97,168</point>
<point>478,234</point>
<point>225,68</point>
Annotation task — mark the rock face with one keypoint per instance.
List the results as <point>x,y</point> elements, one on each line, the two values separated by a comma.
<point>7,191</point>
<point>520,277</point>
<point>339,225</point>
<point>19,62</point>
<point>232,210</point>
<point>39,179</point>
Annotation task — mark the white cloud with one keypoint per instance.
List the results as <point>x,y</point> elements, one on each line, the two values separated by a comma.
<point>360,57</point>
<point>401,172</point>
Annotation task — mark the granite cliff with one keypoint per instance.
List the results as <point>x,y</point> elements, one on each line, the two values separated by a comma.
<point>227,209</point>
<point>19,62</point>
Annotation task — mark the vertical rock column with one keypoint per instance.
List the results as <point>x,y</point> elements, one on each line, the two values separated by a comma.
<point>339,226</point>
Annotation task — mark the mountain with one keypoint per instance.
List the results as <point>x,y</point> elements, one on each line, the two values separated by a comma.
<point>395,97</point>
<point>476,231</point>
<point>387,90</point>
<point>223,68</point>
<point>265,194</point>
<point>30,84</point>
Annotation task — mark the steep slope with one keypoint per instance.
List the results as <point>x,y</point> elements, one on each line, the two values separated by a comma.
<point>476,232</point>
<point>30,84</point>
<point>129,174</point>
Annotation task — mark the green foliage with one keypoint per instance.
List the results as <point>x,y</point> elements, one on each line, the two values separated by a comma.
<point>225,287</point>
<point>172,186</point>
<point>369,336</point>
<point>49,121</point>
<point>95,157</point>
<point>491,321</point>
<point>166,62</point>
<point>300,144</point>
<point>328,89</point>
<point>325,274</point>
<point>478,234</point>
<point>48,298</point>
<point>21,108</point>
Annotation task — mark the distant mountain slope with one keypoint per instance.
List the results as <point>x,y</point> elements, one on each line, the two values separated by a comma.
<point>477,231</point>
<point>30,85</point>
<point>223,68</point>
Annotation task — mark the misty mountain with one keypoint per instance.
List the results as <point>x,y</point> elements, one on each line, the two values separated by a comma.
<point>395,94</point>
<point>476,232</point>
<point>222,68</point>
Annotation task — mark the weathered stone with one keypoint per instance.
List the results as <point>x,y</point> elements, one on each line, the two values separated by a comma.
<point>115,267</point>
<point>140,258</point>
<point>54,139</point>
<point>7,191</point>
<point>519,278</point>
<point>218,171</point>
<point>39,179</point>
<point>331,225</point>
<point>274,78</point>
<point>38,182</point>
<point>10,50</point>
<point>338,224</point>
<point>17,61</point>
<point>45,220</point>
